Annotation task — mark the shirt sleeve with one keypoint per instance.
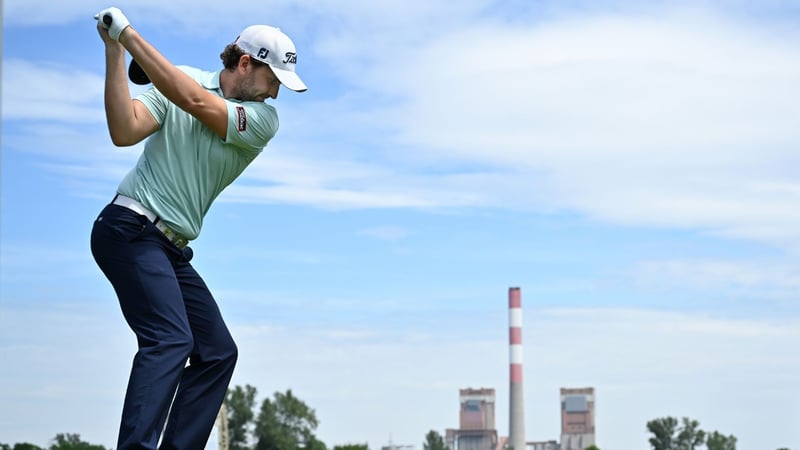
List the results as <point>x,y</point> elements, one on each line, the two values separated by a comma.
<point>156,103</point>
<point>251,125</point>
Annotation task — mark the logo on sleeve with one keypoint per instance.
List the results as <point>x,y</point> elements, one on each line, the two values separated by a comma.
<point>242,118</point>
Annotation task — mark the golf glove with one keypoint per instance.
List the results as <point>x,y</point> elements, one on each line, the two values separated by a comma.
<point>114,21</point>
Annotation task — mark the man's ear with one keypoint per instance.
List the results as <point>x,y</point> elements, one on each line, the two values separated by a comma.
<point>245,61</point>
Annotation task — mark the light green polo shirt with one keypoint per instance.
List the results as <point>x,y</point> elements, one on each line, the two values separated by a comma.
<point>185,165</point>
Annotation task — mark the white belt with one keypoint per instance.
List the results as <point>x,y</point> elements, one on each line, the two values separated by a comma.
<point>134,205</point>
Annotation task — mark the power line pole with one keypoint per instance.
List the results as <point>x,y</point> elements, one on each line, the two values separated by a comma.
<point>222,427</point>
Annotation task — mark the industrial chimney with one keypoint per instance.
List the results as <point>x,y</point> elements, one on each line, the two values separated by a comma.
<point>516,420</point>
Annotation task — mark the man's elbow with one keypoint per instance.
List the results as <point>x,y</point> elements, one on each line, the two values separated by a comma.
<point>131,134</point>
<point>124,139</point>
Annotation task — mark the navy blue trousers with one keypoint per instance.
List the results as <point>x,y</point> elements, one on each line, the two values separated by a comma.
<point>176,319</point>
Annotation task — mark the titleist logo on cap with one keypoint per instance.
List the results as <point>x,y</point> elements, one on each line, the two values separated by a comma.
<point>291,58</point>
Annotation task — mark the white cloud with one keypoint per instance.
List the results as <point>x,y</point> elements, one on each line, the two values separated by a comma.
<point>759,278</point>
<point>662,121</point>
<point>346,184</point>
<point>45,91</point>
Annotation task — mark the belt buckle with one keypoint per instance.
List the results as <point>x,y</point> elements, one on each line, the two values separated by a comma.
<point>180,242</point>
<point>172,236</point>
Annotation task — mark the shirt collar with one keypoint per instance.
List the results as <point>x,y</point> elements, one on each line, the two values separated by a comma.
<point>211,82</point>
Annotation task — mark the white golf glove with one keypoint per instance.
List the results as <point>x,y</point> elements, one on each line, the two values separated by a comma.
<point>114,21</point>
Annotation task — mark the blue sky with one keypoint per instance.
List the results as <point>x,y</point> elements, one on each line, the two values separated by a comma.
<point>632,166</point>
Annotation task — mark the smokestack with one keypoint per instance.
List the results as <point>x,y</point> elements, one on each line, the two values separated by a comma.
<point>516,419</point>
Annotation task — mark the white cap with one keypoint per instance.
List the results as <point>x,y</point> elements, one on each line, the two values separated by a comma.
<point>271,46</point>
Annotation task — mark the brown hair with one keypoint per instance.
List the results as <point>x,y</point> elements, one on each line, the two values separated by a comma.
<point>232,54</point>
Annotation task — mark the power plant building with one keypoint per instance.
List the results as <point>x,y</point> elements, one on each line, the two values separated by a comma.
<point>476,422</point>
<point>577,418</point>
<point>543,445</point>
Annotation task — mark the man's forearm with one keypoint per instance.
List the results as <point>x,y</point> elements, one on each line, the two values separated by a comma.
<point>119,111</point>
<point>178,87</point>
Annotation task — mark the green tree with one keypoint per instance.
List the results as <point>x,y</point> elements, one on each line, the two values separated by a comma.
<point>240,402</point>
<point>26,446</point>
<point>68,441</point>
<point>718,441</point>
<point>669,435</point>
<point>663,430</point>
<point>433,441</point>
<point>592,447</point>
<point>690,436</point>
<point>351,447</point>
<point>286,423</point>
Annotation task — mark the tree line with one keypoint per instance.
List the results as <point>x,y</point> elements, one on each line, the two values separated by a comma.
<point>284,422</point>
<point>62,441</point>
<point>670,434</point>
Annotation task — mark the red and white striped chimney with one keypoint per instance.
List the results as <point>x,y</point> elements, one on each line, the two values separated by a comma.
<point>516,432</point>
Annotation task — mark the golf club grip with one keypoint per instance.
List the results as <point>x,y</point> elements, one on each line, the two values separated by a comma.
<point>107,19</point>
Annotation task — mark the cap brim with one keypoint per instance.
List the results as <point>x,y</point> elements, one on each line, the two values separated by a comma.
<point>289,79</point>
<point>136,74</point>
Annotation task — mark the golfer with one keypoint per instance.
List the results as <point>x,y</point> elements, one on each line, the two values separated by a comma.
<point>202,129</point>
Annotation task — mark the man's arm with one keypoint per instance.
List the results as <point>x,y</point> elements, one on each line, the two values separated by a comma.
<point>175,85</point>
<point>128,120</point>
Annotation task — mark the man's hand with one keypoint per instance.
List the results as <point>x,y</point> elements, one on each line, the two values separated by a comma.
<point>114,21</point>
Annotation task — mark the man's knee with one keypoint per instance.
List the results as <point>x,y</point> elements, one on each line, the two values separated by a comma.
<point>230,351</point>
<point>179,344</point>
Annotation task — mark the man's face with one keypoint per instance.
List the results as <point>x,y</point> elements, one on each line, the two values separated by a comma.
<point>258,83</point>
